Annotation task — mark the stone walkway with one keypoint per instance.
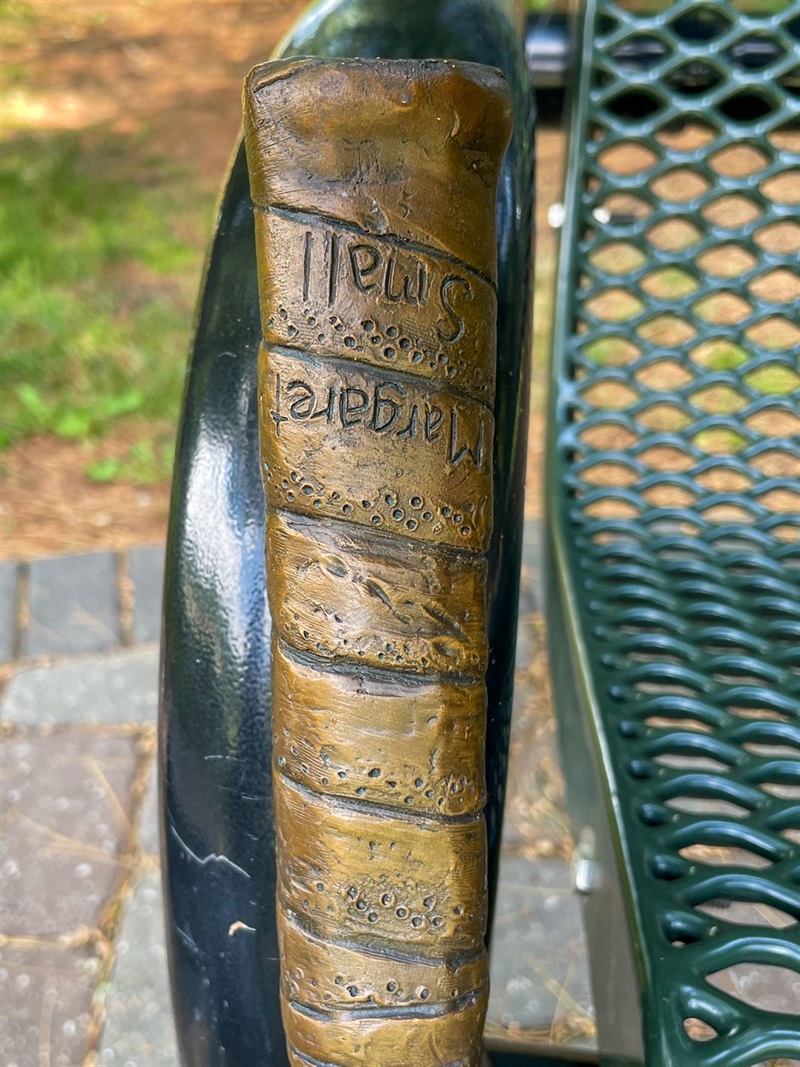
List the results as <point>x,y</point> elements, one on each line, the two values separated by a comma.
<point>83,977</point>
<point>83,980</point>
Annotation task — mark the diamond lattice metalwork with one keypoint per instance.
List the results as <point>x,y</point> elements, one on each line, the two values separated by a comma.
<point>675,504</point>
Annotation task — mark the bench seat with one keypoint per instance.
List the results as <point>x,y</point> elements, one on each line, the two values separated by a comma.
<point>673,524</point>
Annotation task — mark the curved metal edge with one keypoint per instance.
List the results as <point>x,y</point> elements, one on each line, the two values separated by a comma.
<point>215,743</point>
<point>609,913</point>
<point>217,846</point>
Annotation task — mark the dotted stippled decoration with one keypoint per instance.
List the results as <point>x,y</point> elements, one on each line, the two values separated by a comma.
<point>376,390</point>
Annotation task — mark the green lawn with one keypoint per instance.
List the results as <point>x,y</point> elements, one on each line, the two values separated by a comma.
<point>97,290</point>
<point>101,245</point>
<point>98,278</point>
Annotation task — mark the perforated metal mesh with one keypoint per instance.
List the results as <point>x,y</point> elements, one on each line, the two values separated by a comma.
<point>676,494</point>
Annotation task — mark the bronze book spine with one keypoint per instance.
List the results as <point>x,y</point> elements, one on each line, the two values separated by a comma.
<point>374,185</point>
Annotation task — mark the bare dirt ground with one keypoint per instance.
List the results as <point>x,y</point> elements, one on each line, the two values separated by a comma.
<point>550,149</point>
<point>172,68</point>
<point>48,506</point>
<point>169,73</point>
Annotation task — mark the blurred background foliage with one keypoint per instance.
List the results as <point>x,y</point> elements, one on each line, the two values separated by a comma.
<point>99,261</point>
<point>102,230</point>
<point>118,117</point>
<point>117,121</point>
<point>95,288</point>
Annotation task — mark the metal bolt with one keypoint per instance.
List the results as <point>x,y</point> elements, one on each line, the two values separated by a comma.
<point>555,216</point>
<point>586,870</point>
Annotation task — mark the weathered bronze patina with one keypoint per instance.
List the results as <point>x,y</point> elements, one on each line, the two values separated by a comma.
<point>375,185</point>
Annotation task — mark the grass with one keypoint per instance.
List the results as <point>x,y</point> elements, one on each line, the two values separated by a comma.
<point>96,289</point>
<point>719,354</point>
<point>773,380</point>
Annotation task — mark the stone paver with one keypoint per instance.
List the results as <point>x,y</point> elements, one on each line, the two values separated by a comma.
<point>139,1029</point>
<point>148,820</point>
<point>531,584</point>
<point>147,573</point>
<point>540,977</point>
<point>764,986</point>
<point>73,604</point>
<point>8,610</point>
<point>118,688</point>
<point>68,798</point>
<point>535,819</point>
<point>539,974</point>
<point>65,800</point>
<point>45,1004</point>
<point>529,598</point>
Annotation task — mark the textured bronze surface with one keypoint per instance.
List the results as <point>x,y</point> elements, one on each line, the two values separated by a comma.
<point>386,741</point>
<point>411,458</point>
<point>360,300</point>
<point>381,876</point>
<point>374,184</point>
<point>377,601</point>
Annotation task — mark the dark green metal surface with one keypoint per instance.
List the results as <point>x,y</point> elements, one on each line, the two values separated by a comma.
<point>673,525</point>
<point>215,737</point>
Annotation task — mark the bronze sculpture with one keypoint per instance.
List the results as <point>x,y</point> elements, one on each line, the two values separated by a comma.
<point>375,185</point>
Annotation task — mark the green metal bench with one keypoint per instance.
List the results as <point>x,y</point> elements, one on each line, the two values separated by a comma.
<point>673,525</point>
